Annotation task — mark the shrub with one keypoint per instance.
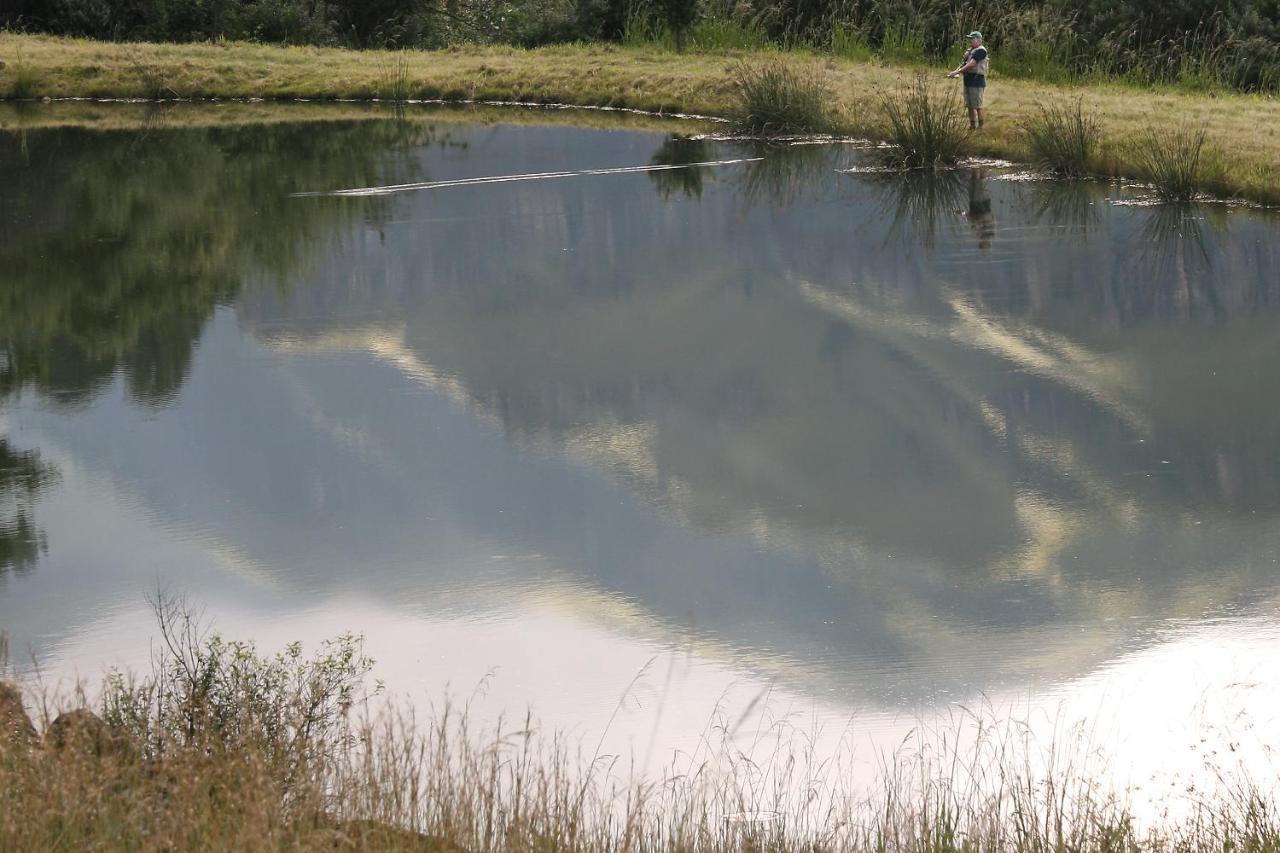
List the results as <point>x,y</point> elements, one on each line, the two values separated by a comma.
<point>924,126</point>
<point>776,99</point>
<point>1063,139</point>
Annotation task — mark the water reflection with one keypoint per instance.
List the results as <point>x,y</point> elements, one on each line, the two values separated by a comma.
<point>1068,205</point>
<point>981,218</point>
<point>22,476</point>
<point>680,150</point>
<point>934,462</point>
<point>117,247</point>
<point>915,204</point>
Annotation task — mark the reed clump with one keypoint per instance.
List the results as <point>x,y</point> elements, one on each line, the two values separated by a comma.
<point>222,747</point>
<point>774,98</point>
<point>393,83</point>
<point>1063,138</point>
<point>924,126</point>
<point>1179,163</point>
<point>23,80</point>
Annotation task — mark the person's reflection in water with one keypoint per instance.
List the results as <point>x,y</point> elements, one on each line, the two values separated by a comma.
<point>980,215</point>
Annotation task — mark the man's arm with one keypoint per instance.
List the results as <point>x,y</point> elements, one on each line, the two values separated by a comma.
<point>968,66</point>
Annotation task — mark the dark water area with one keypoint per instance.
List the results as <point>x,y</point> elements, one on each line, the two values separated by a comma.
<point>885,443</point>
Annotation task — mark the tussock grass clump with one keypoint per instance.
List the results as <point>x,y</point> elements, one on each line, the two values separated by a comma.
<point>23,80</point>
<point>924,125</point>
<point>393,82</point>
<point>1178,162</point>
<point>1063,138</point>
<point>777,99</point>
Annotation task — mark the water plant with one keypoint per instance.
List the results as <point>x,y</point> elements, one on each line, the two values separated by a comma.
<point>924,126</point>
<point>776,98</point>
<point>1063,138</point>
<point>1177,162</point>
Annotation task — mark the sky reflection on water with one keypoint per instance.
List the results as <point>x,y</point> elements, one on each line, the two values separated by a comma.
<point>882,443</point>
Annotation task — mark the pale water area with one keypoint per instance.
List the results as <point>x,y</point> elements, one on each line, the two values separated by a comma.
<point>638,447</point>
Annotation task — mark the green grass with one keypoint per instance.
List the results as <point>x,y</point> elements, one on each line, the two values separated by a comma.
<point>223,747</point>
<point>850,43</point>
<point>715,33</point>
<point>777,99</point>
<point>924,125</point>
<point>1063,138</point>
<point>902,43</point>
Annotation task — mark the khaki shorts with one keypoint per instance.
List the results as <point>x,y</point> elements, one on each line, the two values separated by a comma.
<point>973,96</point>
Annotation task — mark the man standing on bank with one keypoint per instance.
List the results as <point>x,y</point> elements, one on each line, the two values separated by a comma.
<point>974,69</point>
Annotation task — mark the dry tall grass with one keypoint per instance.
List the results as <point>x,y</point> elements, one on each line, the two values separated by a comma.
<point>220,747</point>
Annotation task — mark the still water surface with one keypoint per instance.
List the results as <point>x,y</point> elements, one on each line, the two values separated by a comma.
<point>876,445</point>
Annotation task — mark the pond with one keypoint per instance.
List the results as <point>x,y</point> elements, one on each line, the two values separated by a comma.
<point>556,420</point>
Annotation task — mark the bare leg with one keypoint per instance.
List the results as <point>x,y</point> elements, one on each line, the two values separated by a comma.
<point>973,118</point>
<point>982,115</point>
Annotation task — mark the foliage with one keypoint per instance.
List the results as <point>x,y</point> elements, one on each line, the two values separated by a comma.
<point>924,126</point>
<point>209,692</point>
<point>777,99</point>
<point>678,16</point>
<point>1063,139</point>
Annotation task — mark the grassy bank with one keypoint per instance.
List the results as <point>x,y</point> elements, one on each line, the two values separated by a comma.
<point>222,747</point>
<point>1241,129</point>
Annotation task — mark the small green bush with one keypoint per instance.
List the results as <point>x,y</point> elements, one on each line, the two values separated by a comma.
<point>776,99</point>
<point>924,126</point>
<point>1063,138</point>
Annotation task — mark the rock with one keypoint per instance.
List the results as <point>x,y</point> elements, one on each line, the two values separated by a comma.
<point>15,725</point>
<point>80,729</point>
